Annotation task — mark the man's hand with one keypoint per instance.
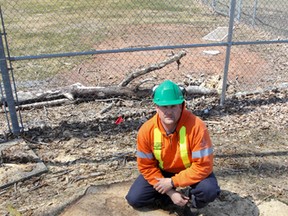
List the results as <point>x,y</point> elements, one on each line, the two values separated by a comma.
<point>178,198</point>
<point>164,185</point>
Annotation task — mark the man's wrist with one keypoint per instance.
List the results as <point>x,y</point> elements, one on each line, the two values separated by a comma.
<point>170,192</point>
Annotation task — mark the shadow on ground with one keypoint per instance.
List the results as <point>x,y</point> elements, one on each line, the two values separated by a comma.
<point>109,200</point>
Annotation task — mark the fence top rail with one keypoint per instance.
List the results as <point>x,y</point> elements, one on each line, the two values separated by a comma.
<point>138,49</point>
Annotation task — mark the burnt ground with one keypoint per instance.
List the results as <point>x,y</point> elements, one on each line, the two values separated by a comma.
<point>81,148</point>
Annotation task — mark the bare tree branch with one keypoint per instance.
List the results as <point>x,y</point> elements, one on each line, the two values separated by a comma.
<point>153,67</point>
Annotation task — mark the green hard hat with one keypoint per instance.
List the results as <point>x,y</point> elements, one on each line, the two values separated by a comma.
<point>168,93</point>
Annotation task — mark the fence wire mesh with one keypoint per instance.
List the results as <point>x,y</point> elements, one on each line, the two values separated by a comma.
<point>38,31</point>
<point>267,15</point>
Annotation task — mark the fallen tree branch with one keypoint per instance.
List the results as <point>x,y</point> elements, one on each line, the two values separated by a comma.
<point>46,103</point>
<point>107,108</point>
<point>262,91</point>
<point>191,90</point>
<point>153,67</point>
<point>91,175</point>
<point>77,92</point>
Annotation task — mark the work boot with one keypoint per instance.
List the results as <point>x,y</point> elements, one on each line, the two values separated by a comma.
<point>188,211</point>
<point>164,202</point>
<point>187,192</point>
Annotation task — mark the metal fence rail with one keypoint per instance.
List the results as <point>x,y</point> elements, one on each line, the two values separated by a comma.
<point>53,44</point>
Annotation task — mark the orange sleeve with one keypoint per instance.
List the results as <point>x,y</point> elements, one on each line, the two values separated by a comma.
<point>147,164</point>
<point>201,157</point>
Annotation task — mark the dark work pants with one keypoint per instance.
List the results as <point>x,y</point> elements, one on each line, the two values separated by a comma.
<point>143,194</point>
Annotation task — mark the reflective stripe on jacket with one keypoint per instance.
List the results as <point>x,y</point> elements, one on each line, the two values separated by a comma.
<point>187,152</point>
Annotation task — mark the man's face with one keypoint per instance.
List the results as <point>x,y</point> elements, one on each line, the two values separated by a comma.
<point>169,115</point>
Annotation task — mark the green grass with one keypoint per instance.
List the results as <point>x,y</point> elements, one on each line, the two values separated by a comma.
<point>56,25</point>
<point>36,27</point>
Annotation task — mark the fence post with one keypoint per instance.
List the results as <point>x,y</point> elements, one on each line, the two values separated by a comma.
<point>213,4</point>
<point>228,50</point>
<point>254,12</point>
<point>239,9</point>
<point>8,89</point>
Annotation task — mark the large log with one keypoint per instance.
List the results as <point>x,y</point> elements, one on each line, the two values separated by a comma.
<point>78,92</point>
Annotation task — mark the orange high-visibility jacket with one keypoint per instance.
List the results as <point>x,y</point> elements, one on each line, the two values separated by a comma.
<point>190,158</point>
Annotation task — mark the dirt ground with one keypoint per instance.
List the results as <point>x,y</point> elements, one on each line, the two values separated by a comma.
<point>89,156</point>
<point>97,200</point>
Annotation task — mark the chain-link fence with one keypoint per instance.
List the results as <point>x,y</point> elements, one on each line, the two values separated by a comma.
<point>265,14</point>
<point>52,45</point>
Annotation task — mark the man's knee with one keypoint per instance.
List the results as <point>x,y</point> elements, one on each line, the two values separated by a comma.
<point>207,195</point>
<point>211,192</point>
<point>133,201</point>
<point>206,191</point>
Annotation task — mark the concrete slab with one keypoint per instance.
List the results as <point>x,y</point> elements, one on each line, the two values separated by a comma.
<point>211,52</point>
<point>273,207</point>
<point>12,172</point>
<point>219,34</point>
